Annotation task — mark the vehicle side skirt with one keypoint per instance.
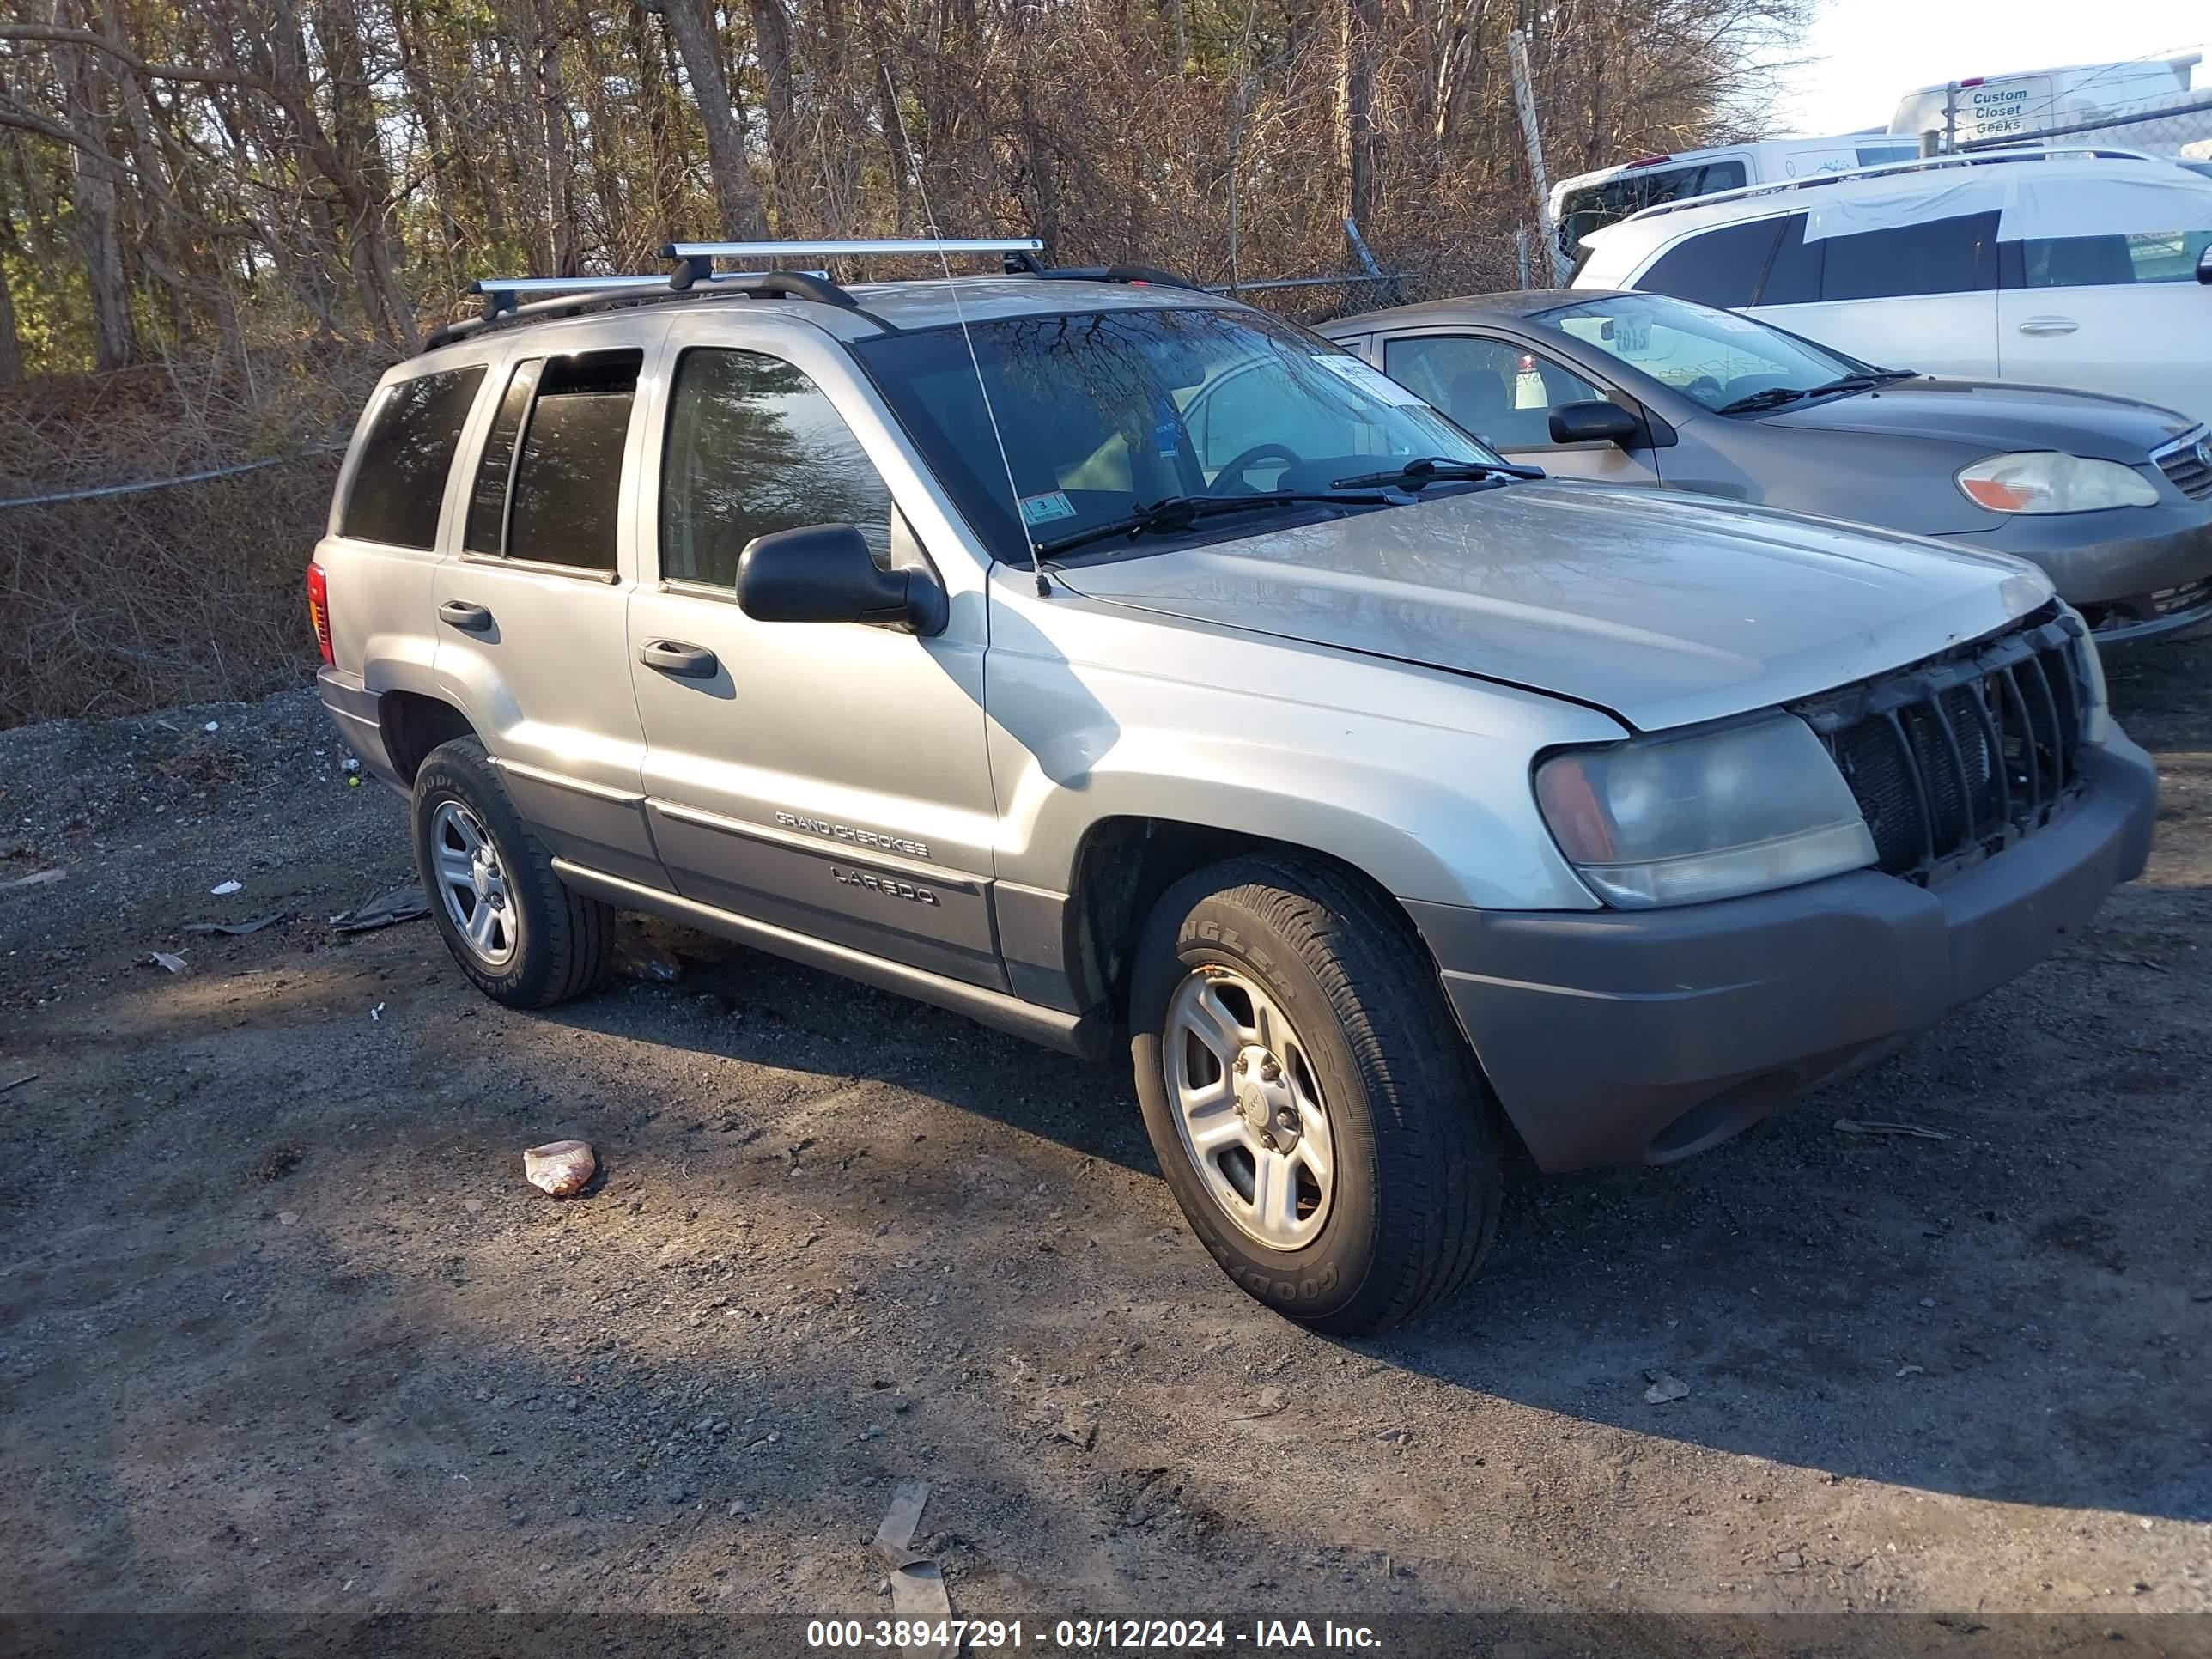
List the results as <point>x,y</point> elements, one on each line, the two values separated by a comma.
<point>1089,1036</point>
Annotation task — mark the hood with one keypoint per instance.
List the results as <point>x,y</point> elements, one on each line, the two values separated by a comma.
<point>1661,611</point>
<point>1986,414</point>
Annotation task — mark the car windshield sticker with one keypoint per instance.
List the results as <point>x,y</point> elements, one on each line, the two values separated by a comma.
<point>1372,381</point>
<point>1043,509</point>
<point>1166,430</point>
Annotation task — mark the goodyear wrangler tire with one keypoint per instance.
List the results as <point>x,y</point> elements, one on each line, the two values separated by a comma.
<point>512,925</point>
<point>1316,1111</point>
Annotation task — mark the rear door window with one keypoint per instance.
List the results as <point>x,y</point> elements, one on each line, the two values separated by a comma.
<point>2144,256</point>
<point>1719,267</point>
<point>1941,255</point>
<point>399,480</point>
<point>568,474</point>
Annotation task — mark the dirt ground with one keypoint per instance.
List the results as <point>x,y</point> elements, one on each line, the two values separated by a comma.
<point>281,1329</point>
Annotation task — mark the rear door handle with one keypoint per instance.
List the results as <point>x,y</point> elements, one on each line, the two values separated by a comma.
<point>688,662</point>
<point>469,618</point>
<point>2049,326</point>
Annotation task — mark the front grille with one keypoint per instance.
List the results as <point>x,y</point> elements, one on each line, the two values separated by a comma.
<point>2189,464</point>
<point>1958,757</point>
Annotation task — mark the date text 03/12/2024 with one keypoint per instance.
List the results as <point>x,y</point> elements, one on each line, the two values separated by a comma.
<point>1089,1635</point>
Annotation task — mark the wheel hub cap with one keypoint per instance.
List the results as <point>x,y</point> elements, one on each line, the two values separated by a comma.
<point>1264,1099</point>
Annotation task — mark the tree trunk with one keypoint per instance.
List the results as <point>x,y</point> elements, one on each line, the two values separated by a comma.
<point>11,343</point>
<point>737,198</point>
<point>92,199</point>
<point>1363,143</point>
<point>554,143</point>
<point>771,44</point>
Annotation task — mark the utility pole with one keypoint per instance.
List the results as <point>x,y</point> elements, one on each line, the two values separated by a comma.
<point>1524,101</point>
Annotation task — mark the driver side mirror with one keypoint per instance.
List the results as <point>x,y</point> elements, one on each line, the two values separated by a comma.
<point>1594,422</point>
<point>2204,266</point>
<point>824,573</point>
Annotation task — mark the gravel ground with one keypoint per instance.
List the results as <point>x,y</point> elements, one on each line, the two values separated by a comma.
<point>281,1329</point>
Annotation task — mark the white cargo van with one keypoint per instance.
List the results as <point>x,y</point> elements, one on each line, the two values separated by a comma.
<point>1589,200</point>
<point>2026,105</point>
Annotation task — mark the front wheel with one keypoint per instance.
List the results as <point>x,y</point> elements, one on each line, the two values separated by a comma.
<point>1313,1106</point>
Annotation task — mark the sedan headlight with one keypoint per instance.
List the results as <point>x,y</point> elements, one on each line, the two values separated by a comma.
<point>1718,813</point>
<point>2045,481</point>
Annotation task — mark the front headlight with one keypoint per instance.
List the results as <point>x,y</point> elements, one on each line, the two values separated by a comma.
<point>2045,481</point>
<point>1676,820</point>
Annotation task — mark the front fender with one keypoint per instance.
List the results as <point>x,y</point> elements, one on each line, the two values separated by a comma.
<point>1417,777</point>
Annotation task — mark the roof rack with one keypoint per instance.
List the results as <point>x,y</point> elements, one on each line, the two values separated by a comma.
<point>518,298</point>
<point>1918,164</point>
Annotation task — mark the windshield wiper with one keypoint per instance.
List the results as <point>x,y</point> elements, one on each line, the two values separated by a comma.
<point>1775,396</point>
<point>1417,476</point>
<point>1179,513</point>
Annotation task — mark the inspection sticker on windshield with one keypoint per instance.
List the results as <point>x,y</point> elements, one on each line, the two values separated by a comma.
<point>1367,378</point>
<point>1043,509</point>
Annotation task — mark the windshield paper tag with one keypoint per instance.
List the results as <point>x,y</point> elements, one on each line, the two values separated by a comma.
<point>1044,509</point>
<point>1167,431</point>
<point>1368,379</point>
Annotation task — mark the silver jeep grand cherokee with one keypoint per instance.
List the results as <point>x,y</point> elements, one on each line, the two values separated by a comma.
<point>1115,664</point>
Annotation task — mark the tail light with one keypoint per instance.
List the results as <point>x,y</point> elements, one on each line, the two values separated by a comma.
<point>319,610</point>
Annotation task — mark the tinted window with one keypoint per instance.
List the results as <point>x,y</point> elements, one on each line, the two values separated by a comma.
<point>1874,155</point>
<point>2150,256</point>
<point>400,481</point>
<point>1717,268</point>
<point>1502,393</point>
<point>487,523</point>
<point>567,479</point>
<point>1943,256</point>
<point>754,447</point>
<point>1794,278</point>
<point>1594,206</point>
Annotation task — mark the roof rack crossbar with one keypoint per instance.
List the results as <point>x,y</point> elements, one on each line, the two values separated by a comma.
<point>514,299</point>
<point>850,249</point>
<point>1913,164</point>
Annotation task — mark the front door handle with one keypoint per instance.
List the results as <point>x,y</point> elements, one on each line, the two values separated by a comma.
<point>688,662</point>
<point>469,618</point>
<point>2049,326</point>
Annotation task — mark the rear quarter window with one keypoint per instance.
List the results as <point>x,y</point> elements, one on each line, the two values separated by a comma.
<point>399,476</point>
<point>1719,267</point>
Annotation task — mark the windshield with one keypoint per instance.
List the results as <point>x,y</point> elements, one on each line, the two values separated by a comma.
<point>1103,413</point>
<point>1715,357</point>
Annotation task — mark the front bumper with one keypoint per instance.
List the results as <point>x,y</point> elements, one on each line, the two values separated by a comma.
<point>2135,573</point>
<point>1616,1036</point>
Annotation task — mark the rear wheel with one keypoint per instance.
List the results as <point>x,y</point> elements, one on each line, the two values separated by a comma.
<point>512,924</point>
<point>1314,1107</point>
